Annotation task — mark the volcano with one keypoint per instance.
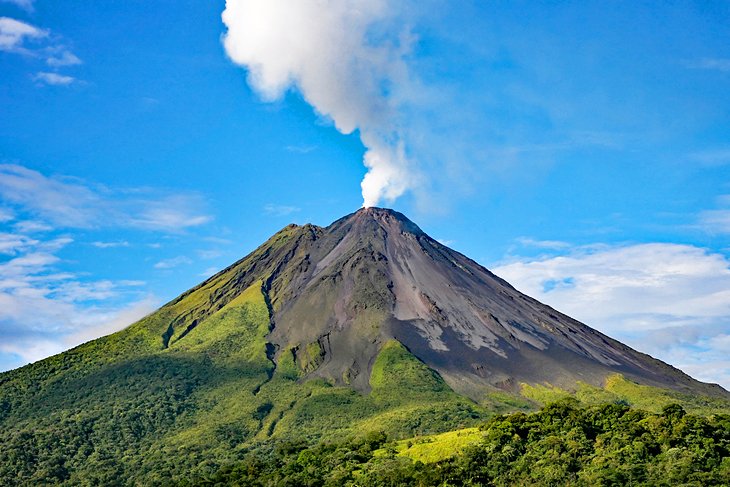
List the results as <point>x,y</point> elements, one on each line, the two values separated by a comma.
<point>337,294</point>
<point>366,324</point>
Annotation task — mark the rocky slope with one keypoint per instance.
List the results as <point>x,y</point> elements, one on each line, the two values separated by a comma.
<point>338,293</point>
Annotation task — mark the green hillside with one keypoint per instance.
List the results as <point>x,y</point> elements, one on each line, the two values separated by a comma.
<point>125,407</point>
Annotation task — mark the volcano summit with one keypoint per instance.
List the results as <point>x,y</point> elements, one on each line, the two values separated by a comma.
<point>363,325</point>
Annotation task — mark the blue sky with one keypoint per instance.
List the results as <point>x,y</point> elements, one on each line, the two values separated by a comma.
<point>579,149</point>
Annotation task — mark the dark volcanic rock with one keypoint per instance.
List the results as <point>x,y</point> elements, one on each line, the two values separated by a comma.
<point>344,290</point>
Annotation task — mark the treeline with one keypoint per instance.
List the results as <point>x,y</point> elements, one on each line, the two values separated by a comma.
<point>562,444</point>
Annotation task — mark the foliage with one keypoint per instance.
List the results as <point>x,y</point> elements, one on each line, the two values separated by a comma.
<point>620,390</point>
<point>562,444</point>
<point>128,410</point>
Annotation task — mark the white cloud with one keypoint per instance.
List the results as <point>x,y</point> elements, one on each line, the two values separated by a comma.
<point>65,58</point>
<point>13,34</point>
<point>542,244</point>
<point>70,203</point>
<point>715,221</point>
<point>346,57</point>
<point>175,212</point>
<point>44,311</point>
<point>110,245</point>
<point>172,263</point>
<point>6,215</point>
<point>209,254</point>
<point>11,244</point>
<point>53,79</point>
<point>304,149</point>
<point>280,210</point>
<point>210,271</point>
<point>640,294</point>
<point>31,226</point>
<point>32,343</point>
<point>62,201</point>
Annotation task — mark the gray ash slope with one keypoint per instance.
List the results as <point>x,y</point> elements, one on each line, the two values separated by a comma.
<point>338,293</point>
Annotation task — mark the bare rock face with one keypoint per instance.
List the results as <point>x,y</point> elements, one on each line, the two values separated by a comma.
<point>337,294</point>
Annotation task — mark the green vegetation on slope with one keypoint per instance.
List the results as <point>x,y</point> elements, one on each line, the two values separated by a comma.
<point>433,448</point>
<point>563,444</point>
<point>157,414</point>
<point>618,389</point>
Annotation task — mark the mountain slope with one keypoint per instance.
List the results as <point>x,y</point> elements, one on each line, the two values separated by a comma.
<point>364,325</point>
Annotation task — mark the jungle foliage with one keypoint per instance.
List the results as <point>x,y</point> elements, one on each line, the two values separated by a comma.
<point>562,444</point>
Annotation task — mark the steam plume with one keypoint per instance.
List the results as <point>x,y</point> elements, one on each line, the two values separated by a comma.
<point>346,58</point>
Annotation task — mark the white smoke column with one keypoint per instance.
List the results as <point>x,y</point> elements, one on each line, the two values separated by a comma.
<point>346,60</point>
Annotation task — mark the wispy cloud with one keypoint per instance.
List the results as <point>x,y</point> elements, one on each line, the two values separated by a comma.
<point>715,221</point>
<point>34,42</point>
<point>172,263</point>
<point>31,226</point>
<point>65,58</point>
<point>110,245</point>
<point>6,215</point>
<point>44,310</point>
<point>53,79</point>
<point>71,203</point>
<point>542,244</point>
<point>280,210</point>
<point>14,33</point>
<point>210,271</point>
<point>304,149</point>
<point>26,5</point>
<point>173,212</point>
<point>713,157</point>
<point>12,244</point>
<point>714,64</point>
<point>635,291</point>
<point>209,254</point>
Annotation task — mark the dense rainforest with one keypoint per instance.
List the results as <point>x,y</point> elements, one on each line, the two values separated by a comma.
<point>562,444</point>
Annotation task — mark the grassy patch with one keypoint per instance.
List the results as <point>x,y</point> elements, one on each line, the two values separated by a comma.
<point>434,448</point>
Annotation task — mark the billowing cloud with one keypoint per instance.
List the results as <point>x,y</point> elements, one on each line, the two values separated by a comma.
<point>346,59</point>
<point>670,300</point>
